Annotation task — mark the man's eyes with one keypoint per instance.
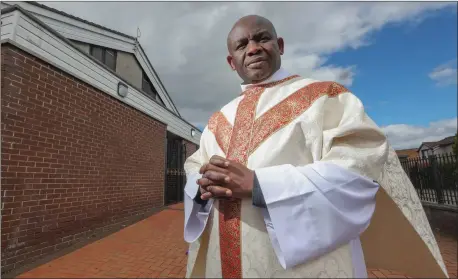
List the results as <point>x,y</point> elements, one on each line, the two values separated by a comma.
<point>261,40</point>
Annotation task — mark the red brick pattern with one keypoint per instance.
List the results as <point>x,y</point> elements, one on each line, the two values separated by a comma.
<point>151,248</point>
<point>73,159</point>
<point>155,248</point>
<point>190,148</point>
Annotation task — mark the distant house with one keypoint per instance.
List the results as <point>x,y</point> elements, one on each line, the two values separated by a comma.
<point>90,136</point>
<point>443,146</point>
<point>405,154</point>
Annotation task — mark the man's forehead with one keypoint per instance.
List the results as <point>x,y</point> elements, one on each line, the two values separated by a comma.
<point>242,31</point>
<point>249,26</point>
<point>246,31</point>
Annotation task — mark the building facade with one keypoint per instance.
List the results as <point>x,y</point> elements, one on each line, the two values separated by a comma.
<point>436,148</point>
<point>90,136</point>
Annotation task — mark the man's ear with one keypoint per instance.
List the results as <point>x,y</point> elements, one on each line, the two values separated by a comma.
<point>281,45</point>
<point>230,61</point>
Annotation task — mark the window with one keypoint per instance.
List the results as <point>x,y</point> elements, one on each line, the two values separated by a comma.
<point>149,89</point>
<point>424,153</point>
<point>105,55</point>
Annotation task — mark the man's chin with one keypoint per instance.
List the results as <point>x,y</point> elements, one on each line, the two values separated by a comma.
<point>257,76</point>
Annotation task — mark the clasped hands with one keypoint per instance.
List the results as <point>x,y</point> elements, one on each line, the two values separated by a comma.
<point>222,178</point>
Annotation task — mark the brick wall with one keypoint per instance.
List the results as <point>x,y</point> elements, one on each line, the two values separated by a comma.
<point>190,148</point>
<point>73,159</point>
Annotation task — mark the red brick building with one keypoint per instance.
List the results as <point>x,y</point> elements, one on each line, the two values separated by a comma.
<point>89,135</point>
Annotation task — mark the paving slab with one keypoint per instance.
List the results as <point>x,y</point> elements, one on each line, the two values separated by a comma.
<point>154,247</point>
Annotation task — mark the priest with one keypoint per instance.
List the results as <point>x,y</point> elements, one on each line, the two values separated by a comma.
<point>293,179</point>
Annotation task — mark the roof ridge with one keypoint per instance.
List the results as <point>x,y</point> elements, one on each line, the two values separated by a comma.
<point>78,18</point>
<point>137,43</point>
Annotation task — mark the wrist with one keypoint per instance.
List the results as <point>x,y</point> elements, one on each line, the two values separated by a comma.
<point>257,196</point>
<point>250,187</point>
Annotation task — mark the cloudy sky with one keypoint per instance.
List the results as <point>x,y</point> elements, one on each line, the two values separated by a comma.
<point>399,58</point>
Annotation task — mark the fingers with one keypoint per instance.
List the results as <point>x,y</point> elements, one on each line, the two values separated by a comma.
<point>212,191</point>
<point>216,176</point>
<point>218,191</point>
<point>210,166</point>
<point>215,161</point>
<point>202,190</point>
<point>206,196</point>
<point>219,161</point>
<point>204,182</point>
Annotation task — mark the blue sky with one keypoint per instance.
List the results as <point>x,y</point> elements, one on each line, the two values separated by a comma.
<point>392,73</point>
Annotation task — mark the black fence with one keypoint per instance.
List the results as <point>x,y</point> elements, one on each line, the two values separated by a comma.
<point>434,178</point>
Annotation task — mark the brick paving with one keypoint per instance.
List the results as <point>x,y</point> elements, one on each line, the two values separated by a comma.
<point>154,247</point>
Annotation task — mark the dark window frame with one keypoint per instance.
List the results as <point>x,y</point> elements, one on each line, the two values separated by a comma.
<point>104,55</point>
<point>424,153</point>
<point>153,93</point>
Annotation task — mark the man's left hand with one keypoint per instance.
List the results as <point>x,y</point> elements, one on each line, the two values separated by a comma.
<point>221,173</point>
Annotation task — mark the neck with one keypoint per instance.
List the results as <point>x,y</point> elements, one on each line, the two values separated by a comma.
<point>277,75</point>
<point>258,81</point>
<point>261,80</point>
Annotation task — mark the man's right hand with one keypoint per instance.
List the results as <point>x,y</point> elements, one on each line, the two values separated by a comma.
<point>212,191</point>
<point>205,195</point>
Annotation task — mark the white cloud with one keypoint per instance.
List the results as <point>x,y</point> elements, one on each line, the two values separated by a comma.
<point>445,74</point>
<point>403,136</point>
<point>185,41</point>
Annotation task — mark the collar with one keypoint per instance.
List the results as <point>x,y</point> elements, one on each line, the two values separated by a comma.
<point>278,75</point>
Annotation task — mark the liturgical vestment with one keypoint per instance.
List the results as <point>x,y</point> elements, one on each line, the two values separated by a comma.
<point>337,198</point>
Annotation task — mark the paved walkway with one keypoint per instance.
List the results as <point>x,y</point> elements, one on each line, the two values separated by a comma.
<point>154,247</point>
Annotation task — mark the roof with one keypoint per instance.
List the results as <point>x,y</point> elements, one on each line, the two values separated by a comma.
<point>78,18</point>
<point>443,142</point>
<point>446,141</point>
<point>159,79</point>
<point>149,69</point>
<point>409,153</point>
<point>11,8</point>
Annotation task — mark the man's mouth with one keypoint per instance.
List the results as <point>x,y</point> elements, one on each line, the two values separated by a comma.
<point>256,63</point>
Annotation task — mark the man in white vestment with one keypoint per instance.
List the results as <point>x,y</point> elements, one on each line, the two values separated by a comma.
<point>293,179</point>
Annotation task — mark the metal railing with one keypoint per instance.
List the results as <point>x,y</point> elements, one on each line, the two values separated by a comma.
<point>434,177</point>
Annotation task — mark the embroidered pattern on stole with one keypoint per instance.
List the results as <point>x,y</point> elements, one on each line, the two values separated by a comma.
<point>229,210</point>
<point>290,108</point>
<point>222,130</point>
<point>240,141</point>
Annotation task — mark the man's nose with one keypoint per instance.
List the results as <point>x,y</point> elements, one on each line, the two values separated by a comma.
<point>253,48</point>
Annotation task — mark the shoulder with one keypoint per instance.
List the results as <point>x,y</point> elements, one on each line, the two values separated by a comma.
<point>309,91</point>
<point>321,88</point>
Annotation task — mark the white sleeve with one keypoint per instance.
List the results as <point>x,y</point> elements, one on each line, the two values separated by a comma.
<point>196,215</point>
<point>314,209</point>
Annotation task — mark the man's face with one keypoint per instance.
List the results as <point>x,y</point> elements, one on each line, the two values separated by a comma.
<point>254,50</point>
